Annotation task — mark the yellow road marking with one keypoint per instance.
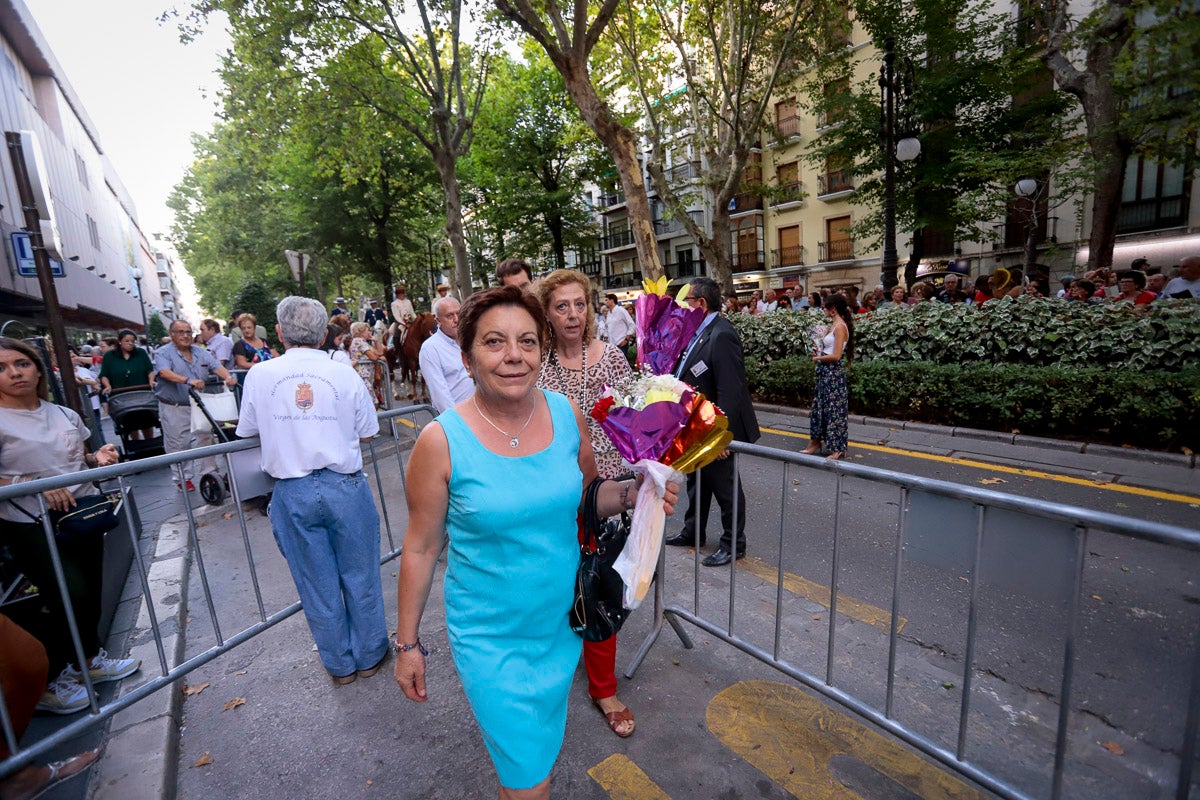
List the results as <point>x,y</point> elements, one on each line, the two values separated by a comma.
<point>406,421</point>
<point>624,780</point>
<point>792,738</point>
<point>855,609</point>
<point>1028,473</point>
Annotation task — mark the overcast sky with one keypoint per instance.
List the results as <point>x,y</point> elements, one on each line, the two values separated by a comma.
<point>145,92</point>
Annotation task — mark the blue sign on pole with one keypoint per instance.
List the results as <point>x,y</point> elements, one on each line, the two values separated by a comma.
<point>26,266</point>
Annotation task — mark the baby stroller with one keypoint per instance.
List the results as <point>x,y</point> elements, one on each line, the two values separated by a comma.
<point>134,409</point>
<point>246,464</point>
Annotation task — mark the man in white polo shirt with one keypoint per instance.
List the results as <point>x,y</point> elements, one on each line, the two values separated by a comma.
<point>441,359</point>
<point>311,413</point>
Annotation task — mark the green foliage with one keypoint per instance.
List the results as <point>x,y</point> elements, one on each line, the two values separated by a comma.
<point>255,299</point>
<point>780,334</point>
<point>1147,409</point>
<point>1028,330</point>
<point>155,329</point>
<point>524,177</point>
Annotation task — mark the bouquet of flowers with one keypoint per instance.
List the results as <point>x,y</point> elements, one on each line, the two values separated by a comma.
<point>661,426</point>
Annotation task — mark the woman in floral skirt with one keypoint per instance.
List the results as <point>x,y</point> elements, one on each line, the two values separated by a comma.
<point>831,402</point>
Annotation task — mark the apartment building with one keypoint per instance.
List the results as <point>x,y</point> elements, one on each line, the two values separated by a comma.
<point>109,271</point>
<point>790,225</point>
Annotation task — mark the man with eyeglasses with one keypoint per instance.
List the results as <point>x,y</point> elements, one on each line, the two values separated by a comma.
<point>182,364</point>
<point>441,359</point>
<point>713,363</point>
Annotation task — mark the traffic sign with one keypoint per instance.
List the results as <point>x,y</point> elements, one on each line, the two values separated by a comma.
<point>26,266</point>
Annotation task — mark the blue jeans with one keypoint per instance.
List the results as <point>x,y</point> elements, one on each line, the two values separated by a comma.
<point>328,530</point>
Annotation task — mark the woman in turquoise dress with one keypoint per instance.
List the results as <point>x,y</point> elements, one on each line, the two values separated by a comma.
<point>503,474</point>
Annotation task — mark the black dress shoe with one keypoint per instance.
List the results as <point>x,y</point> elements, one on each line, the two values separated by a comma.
<point>721,558</point>
<point>684,539</point>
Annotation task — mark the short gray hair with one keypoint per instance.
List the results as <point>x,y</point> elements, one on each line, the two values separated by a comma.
<point>302,321</point>
<point>441,301</point>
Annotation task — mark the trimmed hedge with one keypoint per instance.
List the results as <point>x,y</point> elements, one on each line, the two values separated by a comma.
<point>1028,330</point>
<point>1151,409</point>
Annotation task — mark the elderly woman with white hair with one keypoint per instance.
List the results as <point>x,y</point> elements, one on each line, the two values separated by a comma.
<point>311,413</point>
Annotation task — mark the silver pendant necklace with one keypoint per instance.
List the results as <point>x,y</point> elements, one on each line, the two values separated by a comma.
<point>514,439</point>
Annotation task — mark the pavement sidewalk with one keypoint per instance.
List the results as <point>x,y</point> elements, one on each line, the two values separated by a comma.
<point>294,733</point>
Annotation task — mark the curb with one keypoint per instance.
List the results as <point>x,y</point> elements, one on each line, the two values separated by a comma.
<point>139,757</point>
<point>1062,445</point>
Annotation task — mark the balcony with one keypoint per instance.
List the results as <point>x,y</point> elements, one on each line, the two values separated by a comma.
<point>622,280</point>
<point>616,240</point>
<point>1010,235</point>
<point>685,269</point>
<point>792,256</point>
<point>590,267</point>
<point>612,199</point>
<point>749,261</point>
<point>788,194</point>
<point>683,172</point>
<point>836,250</point>
<point>1153,213</point>
<point>745,201</point>
<point>788,128</point>
<point>834,182</point>
<point>673,226</point>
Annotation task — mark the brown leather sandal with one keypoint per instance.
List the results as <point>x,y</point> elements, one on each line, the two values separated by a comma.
<point>617,717</point>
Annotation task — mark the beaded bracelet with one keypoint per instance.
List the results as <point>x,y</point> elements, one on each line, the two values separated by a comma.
<point>400,647</point>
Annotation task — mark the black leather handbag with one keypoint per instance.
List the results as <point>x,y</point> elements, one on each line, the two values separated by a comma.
<point>92,515</point>
<point>598,613</point>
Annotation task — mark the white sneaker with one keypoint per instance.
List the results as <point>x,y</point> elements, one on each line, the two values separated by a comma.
<point>104,669</point>
<point>64,695</point>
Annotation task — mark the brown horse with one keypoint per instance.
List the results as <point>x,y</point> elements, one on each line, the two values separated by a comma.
<point>406,357</point>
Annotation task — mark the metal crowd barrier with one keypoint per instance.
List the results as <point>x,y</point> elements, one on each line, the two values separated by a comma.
<point>375,454</point>
<point>1025,545</point>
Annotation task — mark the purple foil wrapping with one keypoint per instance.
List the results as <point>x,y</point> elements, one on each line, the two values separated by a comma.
<point>646,433</point>
<point>663,332</point>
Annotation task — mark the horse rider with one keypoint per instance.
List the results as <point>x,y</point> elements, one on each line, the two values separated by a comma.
<point>402,314</point>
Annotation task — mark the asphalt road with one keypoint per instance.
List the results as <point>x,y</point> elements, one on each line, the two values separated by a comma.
<point>1138,625</point>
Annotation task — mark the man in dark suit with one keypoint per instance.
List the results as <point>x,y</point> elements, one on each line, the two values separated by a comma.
<point>714,365</point>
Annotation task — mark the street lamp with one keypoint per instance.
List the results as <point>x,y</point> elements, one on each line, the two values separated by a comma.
<point>896,90</point>
<point>1031,190</point>
<point>137,278</point>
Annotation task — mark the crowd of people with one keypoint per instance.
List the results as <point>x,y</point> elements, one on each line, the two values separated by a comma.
<point>1140,285</point>
<point>512,372</point>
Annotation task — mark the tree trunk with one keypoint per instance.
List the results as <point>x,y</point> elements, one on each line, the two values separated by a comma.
<point>716,250</point>
<point>622,146</point>
<point>460,279</point>
<point>1111,154</point>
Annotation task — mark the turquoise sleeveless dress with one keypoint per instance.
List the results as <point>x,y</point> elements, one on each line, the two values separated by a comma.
<point>510,581</point>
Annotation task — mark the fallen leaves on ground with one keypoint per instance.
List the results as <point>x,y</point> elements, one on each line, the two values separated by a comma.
<point>204,761</point>
<point>240,672</point>
<point>227,515</point>
<point>991,481</point>
<point>188,691</point>
<point>234,703</point>
<point>1113,748</point>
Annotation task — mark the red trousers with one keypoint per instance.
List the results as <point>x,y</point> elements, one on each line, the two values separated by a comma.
<point>600,660</point>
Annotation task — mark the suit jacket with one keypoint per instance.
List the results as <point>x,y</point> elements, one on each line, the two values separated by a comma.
<point>717,368</point>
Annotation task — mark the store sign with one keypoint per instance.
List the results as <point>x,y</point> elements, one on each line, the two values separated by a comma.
<point>26,266</point>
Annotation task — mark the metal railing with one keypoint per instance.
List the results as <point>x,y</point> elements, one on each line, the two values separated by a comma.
<point>834,181</point>
<point>1025,549</point>
<point>835,250</point>
<point>375,453</point>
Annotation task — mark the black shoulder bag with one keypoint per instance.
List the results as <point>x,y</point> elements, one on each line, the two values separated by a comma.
<point>598,613</point>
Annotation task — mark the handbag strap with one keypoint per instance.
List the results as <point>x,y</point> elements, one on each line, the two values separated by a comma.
<point>591,517</point>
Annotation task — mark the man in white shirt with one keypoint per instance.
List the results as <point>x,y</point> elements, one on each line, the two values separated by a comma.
<point>402,308</point>
<point>441,359</point>
<point>1188,282</point>
<point>769,304</point>
<point>621,330</point>
<point>311,413</point>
